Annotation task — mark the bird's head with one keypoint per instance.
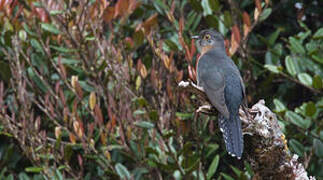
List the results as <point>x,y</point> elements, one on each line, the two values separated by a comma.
<point>208,39</point>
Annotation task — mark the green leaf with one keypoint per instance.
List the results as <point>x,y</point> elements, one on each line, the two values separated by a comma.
<point>318,34</point>
<point>291,66</point>
<point>297,120</point>
<point>196,5</point>
<point>184,116</point>
<point>317,82</point>
<point>5,72</point>
<point>248,168</point>
<point>10,177</point>
<point>227,177</point>
<point>171,45</point>
<point>211,21</point>
<point>318,148</point>
<point>28,30</point>
<point>310,109</point>
<point>211,149</point>
<point>34,169</point>
<point>138,172</point>
<point>84,85</point>
<point>138,82</point>
<point>37,4</point>
<point>317,58</point>
<point>23,176</point>
<point>236,171</point>
<point>206,8</point>
<point>68,152</point>
<point>122,171</point>
<point>59,175</point>
<point>272,68</point>
<point>305,79</point>
<point>36,79</point>
<point>296,46</point>
<point>297,147</point>
<point>62,49</point>
<point>68,61</point>
<point>4,169</point>
<point>265,14</point>
<point>22,35</point>
<point>145,124</point>
<point>35,44</point>
<point>50,28</point>
<point>160,6</point>
<point>273,37</point>
<point>215,5</point>
<point>139,112</point>
<point>213,167</point>
<point>279,106</point>
<point>138,38</point>
<point>227,19</point>
<point>56,12</point>
<point>153,115</point>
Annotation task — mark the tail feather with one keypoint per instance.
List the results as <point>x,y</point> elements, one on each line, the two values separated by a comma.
<point>232,134</point>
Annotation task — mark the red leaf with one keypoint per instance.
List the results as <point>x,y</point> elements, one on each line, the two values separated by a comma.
<point>153,78</point>
<point>150,23</point>
<point>246,18</point>
<point>236,33</point>
<point>129,42</point>
<point>258,5</point>
<point>109,14</point>
<point>235,40</point>
<point>57,86</point>
<point>80,160</point>
<point>90,129</point>
<point>75,103</point>
<point>61,68</point>
<point>121,7</point>
<point>179,76</point>
<point>169,89</point>
<point>191,73</point>
<point>65,114</point>
<point>1,95</point>
<point>246,24</point>
<point>227,46</point>
<point>42,15</point>
<point>62,96</point>
<point>188,56</point>
<point>193,48</point>
<point>98,114</point>
<point>78,89</point>
<point>139,64</point>
<point>37,123</point>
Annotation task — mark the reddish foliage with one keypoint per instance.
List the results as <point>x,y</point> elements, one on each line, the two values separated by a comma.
<point>98,114</point>
<point>258,5</point>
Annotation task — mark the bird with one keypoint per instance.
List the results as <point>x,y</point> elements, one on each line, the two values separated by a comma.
<point>221,80</point>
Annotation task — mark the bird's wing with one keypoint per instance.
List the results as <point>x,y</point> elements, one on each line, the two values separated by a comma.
<point>243,89</point>
<point>213,83</point>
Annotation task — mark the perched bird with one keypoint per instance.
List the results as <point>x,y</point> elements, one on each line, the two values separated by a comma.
<point>221,80</point>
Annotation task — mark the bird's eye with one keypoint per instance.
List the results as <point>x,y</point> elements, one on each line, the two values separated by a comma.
<point>207,37</point>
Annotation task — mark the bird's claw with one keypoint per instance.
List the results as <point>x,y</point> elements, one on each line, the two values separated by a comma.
<point>204,108</point>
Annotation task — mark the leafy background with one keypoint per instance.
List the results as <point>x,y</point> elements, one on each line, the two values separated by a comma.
<point>88,88</point>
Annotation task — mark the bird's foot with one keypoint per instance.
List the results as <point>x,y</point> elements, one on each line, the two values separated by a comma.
<point>204,109</point>
<point>190,84</point>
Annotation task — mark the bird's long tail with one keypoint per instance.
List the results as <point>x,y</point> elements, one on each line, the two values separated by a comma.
<point>232,134</point>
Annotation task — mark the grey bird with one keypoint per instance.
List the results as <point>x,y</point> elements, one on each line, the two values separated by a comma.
<point>221,80</point>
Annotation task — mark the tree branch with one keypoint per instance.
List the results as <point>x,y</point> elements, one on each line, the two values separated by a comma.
<point>265,144</point>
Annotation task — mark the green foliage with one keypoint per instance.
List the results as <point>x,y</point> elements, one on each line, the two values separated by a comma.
<point>88,90</point>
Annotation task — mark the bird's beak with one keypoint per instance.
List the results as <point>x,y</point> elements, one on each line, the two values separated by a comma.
<point>195,37</point>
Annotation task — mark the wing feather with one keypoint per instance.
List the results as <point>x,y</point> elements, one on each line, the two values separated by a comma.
<point>213,83</point>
